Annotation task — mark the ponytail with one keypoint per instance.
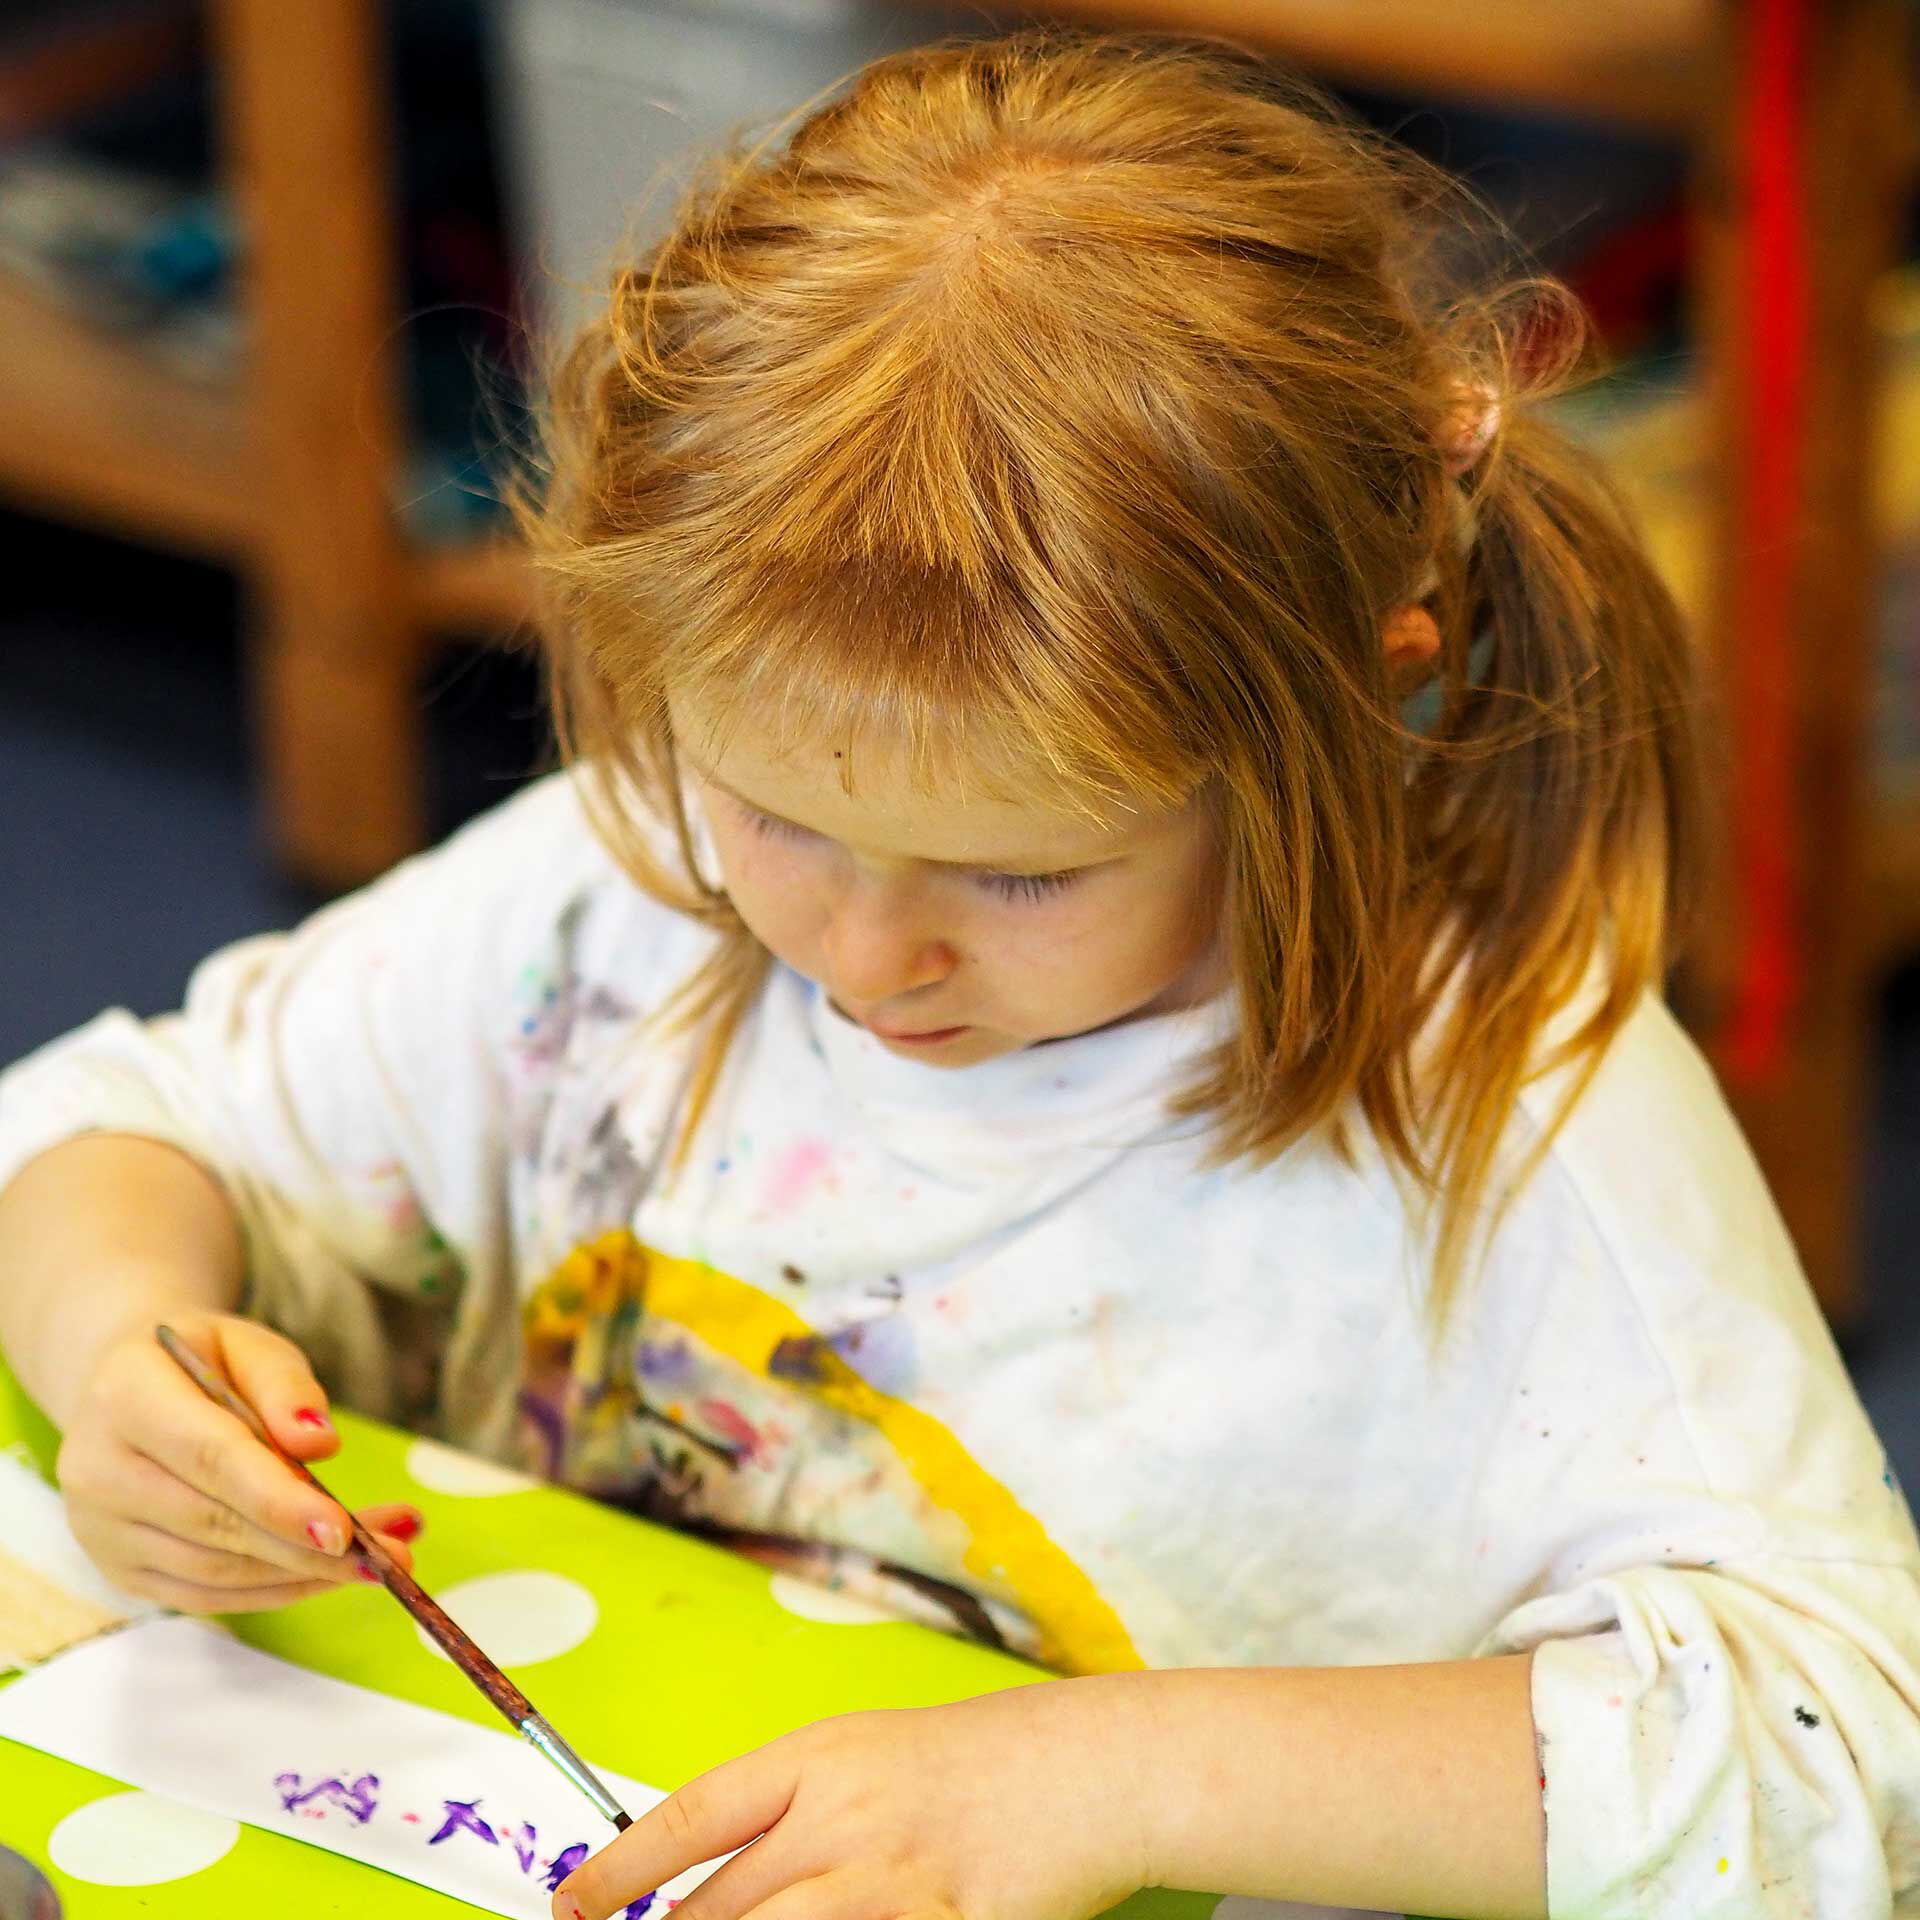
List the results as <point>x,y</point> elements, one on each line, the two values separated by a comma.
<point>1555,817</point>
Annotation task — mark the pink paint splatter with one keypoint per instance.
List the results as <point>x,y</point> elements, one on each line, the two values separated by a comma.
<point>794,1173</point>
<point>730,1422</point>
<point>412,1819</point>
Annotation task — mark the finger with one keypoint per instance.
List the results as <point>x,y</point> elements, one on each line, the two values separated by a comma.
<point>711,1815</point>
<point>842,1895</point>
<point>214,1567</point>
<point>754,1875</point>
<point>214,1453</point>
<point>116,1485</point>
<point>393,1521</point>
<point>275,1379</point>
<point>183,1596</point>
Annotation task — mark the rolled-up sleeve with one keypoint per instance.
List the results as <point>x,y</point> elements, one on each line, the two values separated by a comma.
<point>1729,1741</point>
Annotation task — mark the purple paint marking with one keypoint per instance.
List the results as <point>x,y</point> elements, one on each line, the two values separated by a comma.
<point>637,1909</point>
<point>564,1864</point>
<point>461,1815</point>
<point>523,1845</point>
<point>357,1799</point>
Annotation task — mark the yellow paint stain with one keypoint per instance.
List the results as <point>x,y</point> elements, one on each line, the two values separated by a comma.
<point>1721,1868</point>
<point>1007,1544</point>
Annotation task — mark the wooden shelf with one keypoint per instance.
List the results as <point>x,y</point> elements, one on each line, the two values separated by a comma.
<point>486,587</point>
<point>89,428</point>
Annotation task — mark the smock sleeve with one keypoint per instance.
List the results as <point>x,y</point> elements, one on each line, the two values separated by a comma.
<point>1715,1568</point>
<point>354,1088</point>
<point>1729,1742</point>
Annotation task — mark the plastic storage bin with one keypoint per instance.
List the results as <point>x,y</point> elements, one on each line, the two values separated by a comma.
<point>607,103</point>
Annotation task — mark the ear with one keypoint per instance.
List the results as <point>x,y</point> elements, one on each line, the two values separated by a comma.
<point>1411,640</point>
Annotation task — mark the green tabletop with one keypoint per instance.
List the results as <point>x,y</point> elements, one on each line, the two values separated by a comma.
<point>711,1659</point>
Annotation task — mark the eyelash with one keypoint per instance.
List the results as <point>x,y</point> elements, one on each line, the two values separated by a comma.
<point>1009,886</point>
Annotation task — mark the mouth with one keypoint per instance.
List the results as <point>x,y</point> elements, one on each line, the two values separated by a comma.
<point>929,1037</point>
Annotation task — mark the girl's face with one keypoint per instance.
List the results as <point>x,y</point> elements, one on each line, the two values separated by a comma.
<point>955,926</point>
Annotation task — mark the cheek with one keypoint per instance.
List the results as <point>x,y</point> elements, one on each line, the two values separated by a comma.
<point>774,885</point>
<point>1111,947</point>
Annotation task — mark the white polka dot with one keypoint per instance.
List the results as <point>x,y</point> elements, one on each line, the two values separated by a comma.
<point>521,1617</point>
<point>811,1601</point>
<point>136,1839</point>
<point>447,1470</point>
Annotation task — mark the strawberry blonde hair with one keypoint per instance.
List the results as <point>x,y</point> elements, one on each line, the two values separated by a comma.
<point>1096,395</point>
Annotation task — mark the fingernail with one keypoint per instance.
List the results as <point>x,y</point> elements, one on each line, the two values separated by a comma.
<point>406,1526</point>
<point>312,1417</point>
<point>367,1573</point>
<point>326,1535</point>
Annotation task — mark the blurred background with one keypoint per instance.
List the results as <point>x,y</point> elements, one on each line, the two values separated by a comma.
<point>267,268</point>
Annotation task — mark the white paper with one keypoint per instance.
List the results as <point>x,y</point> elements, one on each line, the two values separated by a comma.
<point>34,1530</point>
<point>182,1708</point>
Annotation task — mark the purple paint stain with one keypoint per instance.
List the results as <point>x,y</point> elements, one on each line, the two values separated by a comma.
<point>667,1362</point>
<point>357,1799</point>
<point>462,1818</point>
<point>794,1173</point>
<point>564,1864</point>
<point>637,1909</point>
<point>523,1845</point>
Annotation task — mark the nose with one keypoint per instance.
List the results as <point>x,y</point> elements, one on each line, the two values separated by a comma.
<point>878,946</point>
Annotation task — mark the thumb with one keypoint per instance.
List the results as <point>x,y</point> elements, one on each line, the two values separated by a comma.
<point>274,1378</point>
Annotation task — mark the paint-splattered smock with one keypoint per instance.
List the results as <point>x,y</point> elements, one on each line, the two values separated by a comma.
<point>1003,1330</point>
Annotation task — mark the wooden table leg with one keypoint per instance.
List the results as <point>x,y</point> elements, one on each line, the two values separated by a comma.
<point>306,108</point>
<point>1795,600</point>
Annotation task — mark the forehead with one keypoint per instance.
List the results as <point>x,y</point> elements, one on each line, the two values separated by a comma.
<point>867,789</point>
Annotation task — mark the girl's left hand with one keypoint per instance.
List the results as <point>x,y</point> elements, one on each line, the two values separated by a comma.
<point>1023,1805</point>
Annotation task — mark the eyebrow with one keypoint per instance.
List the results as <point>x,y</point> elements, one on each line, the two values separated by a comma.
<point>959,866</point>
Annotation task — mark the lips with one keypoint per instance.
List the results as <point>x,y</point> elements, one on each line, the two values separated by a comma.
<point>921,1034</point>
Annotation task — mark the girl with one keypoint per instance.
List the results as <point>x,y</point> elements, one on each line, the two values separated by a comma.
<point>1087,1105</point>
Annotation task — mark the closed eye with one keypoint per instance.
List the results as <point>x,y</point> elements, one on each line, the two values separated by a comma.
<point>1028,886</point>
<point>1010,886</point>
<point>773,827</point>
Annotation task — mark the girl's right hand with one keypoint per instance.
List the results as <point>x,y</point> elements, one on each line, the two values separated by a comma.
<point>176,1501</point>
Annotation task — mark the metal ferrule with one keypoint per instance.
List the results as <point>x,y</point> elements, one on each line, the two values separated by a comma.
<point>540,1734</point>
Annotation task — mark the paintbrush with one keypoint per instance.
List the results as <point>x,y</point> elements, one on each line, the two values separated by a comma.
<point>506,1698</point>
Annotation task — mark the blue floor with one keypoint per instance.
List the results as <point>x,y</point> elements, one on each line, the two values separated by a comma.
<point>128,847</point>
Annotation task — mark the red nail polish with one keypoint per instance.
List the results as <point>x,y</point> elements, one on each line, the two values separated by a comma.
<point>405,1527</point>
<point>367,1573</point>
<point>311,1417</point>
